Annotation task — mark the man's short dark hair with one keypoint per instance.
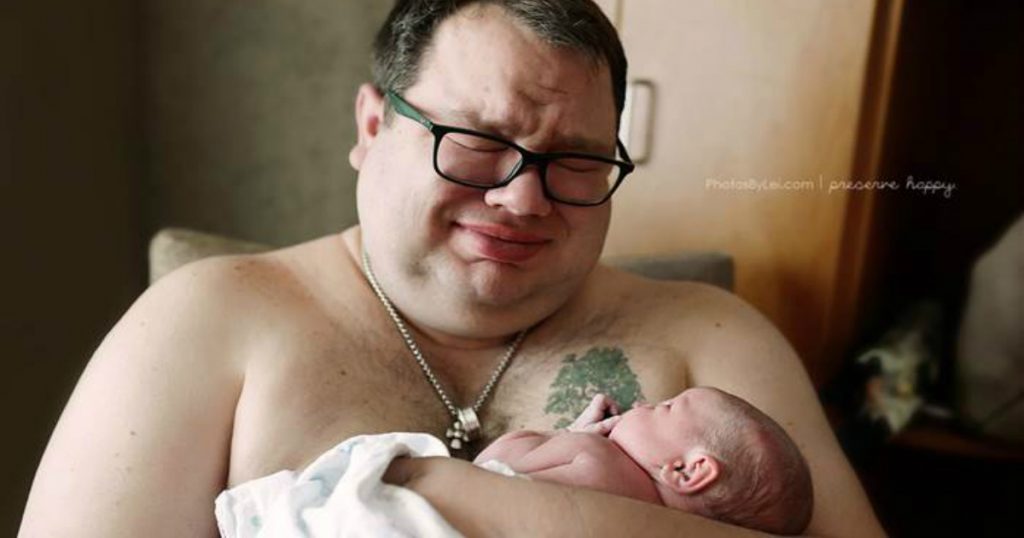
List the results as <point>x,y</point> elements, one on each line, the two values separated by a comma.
<point>578,25</point>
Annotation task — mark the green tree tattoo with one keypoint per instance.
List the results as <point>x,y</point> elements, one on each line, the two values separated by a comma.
<point>600,370</point>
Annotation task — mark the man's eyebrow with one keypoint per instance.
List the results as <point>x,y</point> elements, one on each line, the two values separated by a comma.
<point>586,145</point>
<point>571,143</point>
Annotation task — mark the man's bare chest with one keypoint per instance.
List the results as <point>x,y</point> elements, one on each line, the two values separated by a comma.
<point>299,402</point>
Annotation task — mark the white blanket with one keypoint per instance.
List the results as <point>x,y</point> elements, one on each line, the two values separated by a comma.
<point>339,494</point>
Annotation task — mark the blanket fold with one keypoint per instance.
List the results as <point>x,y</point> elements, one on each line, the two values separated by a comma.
<point>339,494</point>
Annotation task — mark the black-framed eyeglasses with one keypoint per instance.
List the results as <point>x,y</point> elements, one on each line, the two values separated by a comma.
<point>485,161</point>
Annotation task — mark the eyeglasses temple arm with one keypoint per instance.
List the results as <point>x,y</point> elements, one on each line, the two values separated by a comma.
<point>625,154</point>
<point>407,110</point>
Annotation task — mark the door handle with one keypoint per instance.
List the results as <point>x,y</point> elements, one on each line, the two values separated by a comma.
<point>636,130</point>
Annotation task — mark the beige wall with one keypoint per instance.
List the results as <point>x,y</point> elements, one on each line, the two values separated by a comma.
<point>741,90</point>
<point>248,112</point>
<point>72,249</point>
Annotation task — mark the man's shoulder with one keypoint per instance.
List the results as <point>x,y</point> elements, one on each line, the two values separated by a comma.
<point>228,305</point>
<point>214,303</point>
<point>664,302</point>
<point>223,280</point>
<point>677,326</point>
<point>270,280</point>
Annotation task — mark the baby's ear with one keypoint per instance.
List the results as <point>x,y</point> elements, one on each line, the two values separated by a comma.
<point>691,473</point>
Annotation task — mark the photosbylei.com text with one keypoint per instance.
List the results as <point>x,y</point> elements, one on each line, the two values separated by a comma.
<point>923,186</point>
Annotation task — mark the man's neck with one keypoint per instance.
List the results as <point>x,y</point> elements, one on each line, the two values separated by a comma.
<point>469,327</point>
<point>439,338</point>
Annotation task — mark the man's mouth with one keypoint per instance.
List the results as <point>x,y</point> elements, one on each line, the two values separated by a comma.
<point>505,233</point>
<point>500,243</point>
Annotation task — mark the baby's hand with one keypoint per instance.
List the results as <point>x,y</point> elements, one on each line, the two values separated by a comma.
<point>592,419</point>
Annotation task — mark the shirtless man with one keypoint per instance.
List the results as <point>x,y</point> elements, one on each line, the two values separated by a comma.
<point>234,368</point>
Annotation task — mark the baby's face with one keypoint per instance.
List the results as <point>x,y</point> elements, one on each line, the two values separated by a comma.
<point>656,435</point>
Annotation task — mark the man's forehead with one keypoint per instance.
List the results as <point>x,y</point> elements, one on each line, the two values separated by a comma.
<point>567,138</point>
<point>490,73</point>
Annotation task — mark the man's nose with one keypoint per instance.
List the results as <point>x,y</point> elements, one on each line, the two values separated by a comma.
<point>523,197</point>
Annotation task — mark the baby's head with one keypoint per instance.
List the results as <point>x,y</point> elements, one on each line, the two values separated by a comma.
<point>714,454</point>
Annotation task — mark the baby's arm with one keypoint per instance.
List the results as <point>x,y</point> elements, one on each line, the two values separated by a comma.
<point>512,447</point>
<point>583,470</point>
<point>531,452</point>
<point>583,460</point>
<point>569,458</point>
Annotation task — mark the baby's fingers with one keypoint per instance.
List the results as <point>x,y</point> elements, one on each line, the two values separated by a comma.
<point>593,412</point>
<point>603,427</point>
<point>600,405</point>
<point>613,407</point>
<point>604,405</point>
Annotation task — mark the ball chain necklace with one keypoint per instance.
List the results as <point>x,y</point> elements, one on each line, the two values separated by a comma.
<point>465,426</point>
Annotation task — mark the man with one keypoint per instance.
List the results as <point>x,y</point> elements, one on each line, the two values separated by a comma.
<point>235,368</point>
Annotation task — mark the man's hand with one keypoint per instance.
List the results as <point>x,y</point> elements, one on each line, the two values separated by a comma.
<point>402,471</point>
<point>595,419</point>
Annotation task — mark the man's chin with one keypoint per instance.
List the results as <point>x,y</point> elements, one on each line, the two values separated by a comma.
<point>534,286</point>
<point>498,285</point>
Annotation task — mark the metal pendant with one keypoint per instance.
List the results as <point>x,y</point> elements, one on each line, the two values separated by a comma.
<point>465,429</point>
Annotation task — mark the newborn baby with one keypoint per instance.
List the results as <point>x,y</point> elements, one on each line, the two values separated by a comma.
<point>705,451</point>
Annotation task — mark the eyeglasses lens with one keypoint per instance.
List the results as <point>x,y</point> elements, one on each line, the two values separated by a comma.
<point>484,162</point>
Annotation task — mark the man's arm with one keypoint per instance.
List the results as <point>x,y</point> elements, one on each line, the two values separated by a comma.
<point>746,356</point>
<point>481,503</point>
<point>141,448</point>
